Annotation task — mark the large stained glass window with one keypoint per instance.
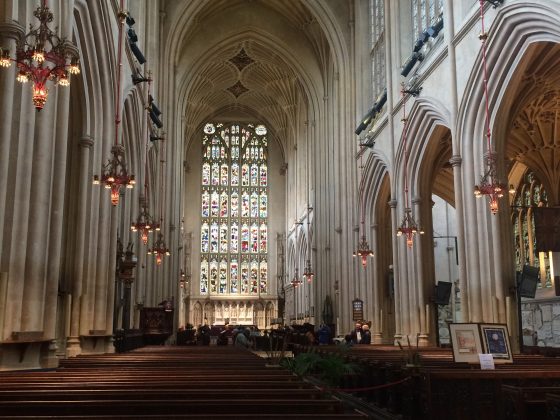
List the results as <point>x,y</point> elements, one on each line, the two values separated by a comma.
<point>234,213</point>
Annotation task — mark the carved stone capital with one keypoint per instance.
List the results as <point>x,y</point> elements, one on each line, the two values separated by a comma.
<point>86,141</point>
<point>392,204</point>
<point>456,160</point>
<point>11,30</point>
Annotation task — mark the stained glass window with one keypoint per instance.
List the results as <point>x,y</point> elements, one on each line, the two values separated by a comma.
<point>234,232</point>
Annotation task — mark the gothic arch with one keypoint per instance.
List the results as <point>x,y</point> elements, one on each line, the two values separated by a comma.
<point>489,255</point>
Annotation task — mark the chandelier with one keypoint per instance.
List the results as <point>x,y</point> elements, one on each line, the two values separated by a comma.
<point>144,224</point>
<point>308,272</point>
<point>41,55</point>
<point>408,227</point>
<point>363,250</point>
<point>296,281</point>
<point>490,184</point>
<point>159,249</point>
<point>114,174</point>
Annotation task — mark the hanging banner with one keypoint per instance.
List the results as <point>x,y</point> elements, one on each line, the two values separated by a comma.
<point>357,309</point>
<point>547,228</point>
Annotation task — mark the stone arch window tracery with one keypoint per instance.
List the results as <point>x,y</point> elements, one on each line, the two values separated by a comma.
<point>529,194</point>
<point>377,45</point>
<point>234,213</point>
<point>424,14</point>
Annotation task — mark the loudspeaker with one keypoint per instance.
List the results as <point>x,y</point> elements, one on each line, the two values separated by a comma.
<point>443,293</point>
<point>529,280</point>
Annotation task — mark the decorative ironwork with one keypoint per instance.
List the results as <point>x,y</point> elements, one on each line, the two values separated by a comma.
<point>409,227</point>
<point>159,249</point>
<point>296,282</point>
<point>490,184</point>
<point>115,175</point>
<point>41,55</point>
<point>144,224</point>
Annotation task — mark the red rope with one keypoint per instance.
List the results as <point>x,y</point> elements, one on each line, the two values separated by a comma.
<point>405,128</point>
<point>487,111</point>
<point>369,388</point>
<point>118,71</point>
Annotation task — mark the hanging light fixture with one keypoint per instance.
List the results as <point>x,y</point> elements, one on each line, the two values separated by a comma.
<point>41,55</point>
<point>159,249</point>
<point>363,250</point>
<point>296,281</point>
<point>114,173</point>
<point>144,224</point>
<point>408,227</point>
<point>308,273</point>
<point>490,184</point>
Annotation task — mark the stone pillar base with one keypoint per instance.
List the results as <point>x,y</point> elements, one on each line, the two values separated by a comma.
<point>73,347</point>
<point>396,339</point>
<point>423,340</point>
<point>377,338</point>
<point>51,359</point>
<point>110,345</point>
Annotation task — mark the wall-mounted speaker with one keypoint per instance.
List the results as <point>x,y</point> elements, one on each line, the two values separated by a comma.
<point>442,292</point>
<point>529,279</point>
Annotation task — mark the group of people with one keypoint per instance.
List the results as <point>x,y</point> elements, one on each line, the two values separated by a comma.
<point>359,335</point>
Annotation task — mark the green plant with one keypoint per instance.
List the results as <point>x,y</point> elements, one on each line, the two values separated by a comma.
<point>411,354</point>
<point>276,350</point>
<point>329,368</point>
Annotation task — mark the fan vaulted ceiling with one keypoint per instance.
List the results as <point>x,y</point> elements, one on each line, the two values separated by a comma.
<point>242,70</point>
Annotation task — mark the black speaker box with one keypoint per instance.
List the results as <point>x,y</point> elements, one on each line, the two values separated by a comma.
<point>529,281</point>
<point>443,293</point>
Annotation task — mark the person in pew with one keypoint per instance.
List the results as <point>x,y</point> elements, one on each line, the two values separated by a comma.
<point>224,336</point>
<point>366,335</point>
<point>356,334</point>
<point>324,335</point>
<point>243,339</point>
<point>204,335</point>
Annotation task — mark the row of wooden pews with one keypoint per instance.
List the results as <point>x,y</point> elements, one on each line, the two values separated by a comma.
<point>438,388</point>
<point>166,382</point>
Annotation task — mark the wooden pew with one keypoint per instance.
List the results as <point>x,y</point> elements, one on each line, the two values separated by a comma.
<point>198,383</point>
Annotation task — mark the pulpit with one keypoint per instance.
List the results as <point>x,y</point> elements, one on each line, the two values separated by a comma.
<point>156,324</point>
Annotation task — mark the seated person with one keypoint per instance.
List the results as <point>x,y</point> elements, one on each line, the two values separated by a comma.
<point>366,335</point>
<point>243,339</point>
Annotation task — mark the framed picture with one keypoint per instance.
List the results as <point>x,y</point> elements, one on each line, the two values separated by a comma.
<point>465,339</point>
<point>495,340</point>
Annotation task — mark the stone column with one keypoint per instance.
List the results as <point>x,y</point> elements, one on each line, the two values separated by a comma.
<point>421,287</point>
<point>461,240</point>
<point>73,343</point>
<point>396,273</point>
<point>9,32</point>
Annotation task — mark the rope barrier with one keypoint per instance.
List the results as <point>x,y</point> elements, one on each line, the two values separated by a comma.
<point>369,388</point>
